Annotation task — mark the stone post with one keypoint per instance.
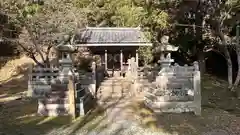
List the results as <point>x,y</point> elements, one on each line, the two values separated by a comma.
<point>81,107</point>
<point>197,89</point>
<point>93,87</point>
<point>137,58</point>
<point>106,60</point>
<point>71,95</point>
<point>129,67</point>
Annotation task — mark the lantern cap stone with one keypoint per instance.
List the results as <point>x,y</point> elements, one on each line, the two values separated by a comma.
<point>66,48</point>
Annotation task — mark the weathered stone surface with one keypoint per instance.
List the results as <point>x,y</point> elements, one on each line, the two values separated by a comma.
<point>176,89</point>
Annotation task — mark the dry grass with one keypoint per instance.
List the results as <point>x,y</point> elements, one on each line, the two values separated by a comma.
<point>18,115</point>
<point>13,79</point>
<point>14,68</point>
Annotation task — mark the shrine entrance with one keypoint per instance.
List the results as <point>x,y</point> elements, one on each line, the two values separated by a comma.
<point>113,61</point>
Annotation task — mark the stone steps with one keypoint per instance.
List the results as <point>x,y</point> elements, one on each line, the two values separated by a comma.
<point>119,83</point>
<point>113,89</point>
<point>58,94</point>
<point>56,100</point>
<point>112,95</point>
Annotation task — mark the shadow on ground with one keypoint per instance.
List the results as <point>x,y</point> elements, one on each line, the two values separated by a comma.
<point>18,114</point>
<point>220,110</point>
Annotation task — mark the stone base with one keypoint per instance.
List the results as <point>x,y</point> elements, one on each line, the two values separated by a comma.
<point>172,107</point>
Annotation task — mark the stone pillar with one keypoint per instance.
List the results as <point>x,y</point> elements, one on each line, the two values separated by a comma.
<point>105,60</point>
<point>165,61</point>
<point>72,95</point>
<point>94,82</point>
<point>66,66</point>
<point>121,60</point>
<point>137,58</point>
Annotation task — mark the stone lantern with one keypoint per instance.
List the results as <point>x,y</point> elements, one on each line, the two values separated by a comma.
<point>165,52</point>
<point>65,51</point>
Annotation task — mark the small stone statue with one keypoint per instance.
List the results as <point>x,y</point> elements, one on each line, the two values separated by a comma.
<point>164,40</point>
<point>166,46</point>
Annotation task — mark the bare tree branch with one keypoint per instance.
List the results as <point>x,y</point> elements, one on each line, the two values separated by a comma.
<point>34,42</point>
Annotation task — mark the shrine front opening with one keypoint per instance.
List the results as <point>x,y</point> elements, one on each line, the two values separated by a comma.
<point>115,57</point>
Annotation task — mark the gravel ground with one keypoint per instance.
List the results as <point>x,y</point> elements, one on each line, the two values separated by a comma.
<point>118,120</point>
<point>121,128</point>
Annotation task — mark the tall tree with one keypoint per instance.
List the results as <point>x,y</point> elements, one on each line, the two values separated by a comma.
<point>222,17</point>
<point>128,13</point>
<point>213,13</point>
<point>42,24</point>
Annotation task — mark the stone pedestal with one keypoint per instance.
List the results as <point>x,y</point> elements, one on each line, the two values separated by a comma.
<point>165,61</point>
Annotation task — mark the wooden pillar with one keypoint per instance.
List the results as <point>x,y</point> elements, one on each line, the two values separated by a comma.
<point>71,95</point>
<point>121,60</point>
<point>105,60</point>
<point>137,58</point>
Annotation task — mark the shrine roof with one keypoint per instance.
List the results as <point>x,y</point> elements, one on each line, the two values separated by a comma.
<point>111,36</point>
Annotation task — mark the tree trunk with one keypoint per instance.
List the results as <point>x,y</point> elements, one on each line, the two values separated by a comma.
<point>201,61</point>
<point>226,52</point>
<point>199,38</point>
<point>238,59</point>
<point>228,59</point>
<point>238,74</point>
<point>229,64</point>
<point>36,61</point>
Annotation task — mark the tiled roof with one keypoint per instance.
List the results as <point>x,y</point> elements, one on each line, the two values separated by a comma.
<point>110,35</point>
